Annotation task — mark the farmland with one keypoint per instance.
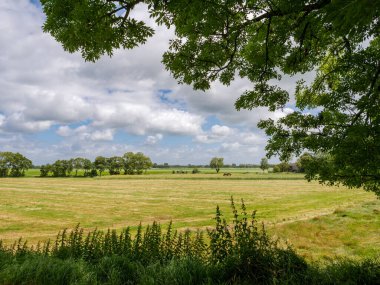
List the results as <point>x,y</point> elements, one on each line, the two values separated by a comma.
<point>321,222</point>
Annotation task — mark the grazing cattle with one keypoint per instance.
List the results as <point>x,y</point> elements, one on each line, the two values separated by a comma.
<point>226,174</point>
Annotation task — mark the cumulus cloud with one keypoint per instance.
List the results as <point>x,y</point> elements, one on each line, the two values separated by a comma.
<point>140,119</point>
<point>2,120</point>
<point>153,140</point>
<point>103,135</point>
<point>86,133</point>
<point>216,134</point>
<point>17,122</point>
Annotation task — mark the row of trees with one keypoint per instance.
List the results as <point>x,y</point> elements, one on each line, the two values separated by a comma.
<point>129,163</point>
<point>13,164</point>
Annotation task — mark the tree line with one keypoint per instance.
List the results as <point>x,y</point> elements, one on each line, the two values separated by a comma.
<point>13,164</point>
<point>130,163</point>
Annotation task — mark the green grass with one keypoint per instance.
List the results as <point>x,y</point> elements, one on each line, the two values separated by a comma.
<point>204,173</point>
<point>321,222</point>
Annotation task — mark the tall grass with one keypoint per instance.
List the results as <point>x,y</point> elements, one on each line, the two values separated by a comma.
<point>240,252</point>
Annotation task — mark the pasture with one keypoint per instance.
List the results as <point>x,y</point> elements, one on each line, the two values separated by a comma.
<point>321,222</point>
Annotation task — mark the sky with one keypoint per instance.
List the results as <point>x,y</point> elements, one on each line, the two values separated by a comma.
<point>54,105</point>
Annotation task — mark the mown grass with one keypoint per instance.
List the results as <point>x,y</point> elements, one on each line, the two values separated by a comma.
<point>305,213</point>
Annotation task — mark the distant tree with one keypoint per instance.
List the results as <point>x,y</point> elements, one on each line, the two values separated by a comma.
<point>13,164</point>
<point>87,166</point>
<point>59,168</point>
<point>129,163</point>
<point>4,163</point>
<point>264,165</point>
<point>142,163</point>
<point>276,168</point>
<point>284,166</point>
<point>136,163</point>
<point>68,166</point>
<point>45,170</point>
<point>100,164</point>
<point>115,164</point>
<point>92,173</point>
<point>217,163</point>
<point>322,166</point>
<point>78,164</point>
<point>303,161</point>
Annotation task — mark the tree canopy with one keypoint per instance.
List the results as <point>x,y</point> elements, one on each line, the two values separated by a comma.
<point>13,164</point>
<point>217,163</point>
<point>336,115</point>
<point>264,165</point>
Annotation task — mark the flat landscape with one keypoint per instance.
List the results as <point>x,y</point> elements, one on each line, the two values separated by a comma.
<point>319,221</point>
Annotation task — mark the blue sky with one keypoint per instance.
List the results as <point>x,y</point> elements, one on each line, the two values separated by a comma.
<point>54,105</point>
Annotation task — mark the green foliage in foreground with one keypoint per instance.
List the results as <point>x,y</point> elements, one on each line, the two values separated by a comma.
<point>242,253</point>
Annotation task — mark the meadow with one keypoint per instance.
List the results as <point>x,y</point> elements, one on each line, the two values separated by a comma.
<point>320,222</point>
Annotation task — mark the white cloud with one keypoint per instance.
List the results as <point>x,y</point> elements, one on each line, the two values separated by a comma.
<point>221,131</point>
<point>153,140</point>
<point>217,133</point>
<point>86,133</point>
<point>103,135</point>
<point>17,122</point>
<point>230,146</point>
<point>140,119</point>
<point>64,131</point>
<point>2,120</point>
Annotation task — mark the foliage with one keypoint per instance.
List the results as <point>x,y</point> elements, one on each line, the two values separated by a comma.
<point>337,113</point>
<point>62,168</point>
<point>78,164</point>
<point>136,163</point>
<point>264,165</point>
<point>141,162</point>
<point>131,163</point>
<point>217,163</point>
<point>101,164</point>
<point>13,164</point>
<point>282,167</point>
<point>115,164</point>
<point>88,167</point>
<point>59,168</point>
<point>303,161</point>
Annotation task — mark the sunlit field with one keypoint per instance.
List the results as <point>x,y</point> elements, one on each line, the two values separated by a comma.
<point>320,221</point>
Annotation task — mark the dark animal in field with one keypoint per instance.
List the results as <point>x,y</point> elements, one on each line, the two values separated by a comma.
<point>227,174</point>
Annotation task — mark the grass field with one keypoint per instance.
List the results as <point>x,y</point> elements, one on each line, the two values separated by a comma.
<point>321,222</point>
<point>204,173</point>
